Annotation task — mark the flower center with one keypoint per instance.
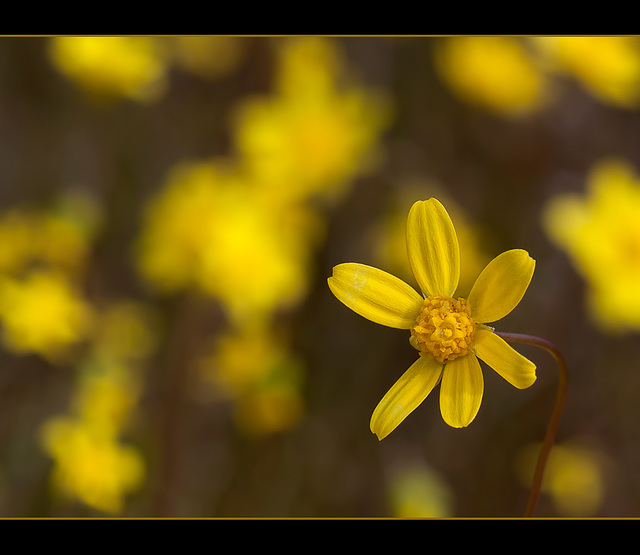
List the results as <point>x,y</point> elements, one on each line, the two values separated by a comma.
<point>444,328</point>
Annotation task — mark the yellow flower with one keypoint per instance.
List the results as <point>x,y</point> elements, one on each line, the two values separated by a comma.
<point>574,477</point>
<point>131,67</point>
<point>125,332</point>
<point>207,56</point>
<point>313,135</point>
<point>106,397</point>
<point>172,241</point>
<point>254,366</point>
<point>495,73</point>
<point>212,229</point>
<point>450,334</point>
<point>270,409</point>
<point>90,466</point>
<point>57,239</point>
<point>600,232</point>
<point>389,234</point>
<point>607,67</point>
<point>245,357</point>
<point>43,313</point>
<point>418,491</point>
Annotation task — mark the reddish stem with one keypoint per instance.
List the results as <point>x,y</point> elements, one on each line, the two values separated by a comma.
<point>552,428</point>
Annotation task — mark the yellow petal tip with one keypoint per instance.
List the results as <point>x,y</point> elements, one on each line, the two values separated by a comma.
<point>374,430</point>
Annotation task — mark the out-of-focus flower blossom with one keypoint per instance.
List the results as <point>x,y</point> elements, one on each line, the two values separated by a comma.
<point>270,409</point>
<point>112,67</point>
<point>254,368</point>
<point>57,239</point>
<point>244,357</point>
<point>106,397</point>
<point>207,56</point>
<point>124,332</point>
<point>495,73</point>
<point>313,135</point>
<point>417,491</point>
<point>173,239</point>
<point>449,334</point>
<point>44,253</point>
<point>608,67</point>
<point>16,241</point>
<point>89,466</point>
<point>43,313</point>
<point>211,230</point>
<point>600,232</point>
<point>257,261</point>
<point>574,477</point>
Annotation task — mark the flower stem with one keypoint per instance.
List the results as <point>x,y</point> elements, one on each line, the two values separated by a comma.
<point>557,410</point>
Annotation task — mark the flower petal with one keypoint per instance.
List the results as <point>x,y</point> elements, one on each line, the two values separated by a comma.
<point>501,285</point>
<point>504,359</point>
<point>405,395</point>
<point>376,295</point>
<point>432,246</point>
<point>461,391</point>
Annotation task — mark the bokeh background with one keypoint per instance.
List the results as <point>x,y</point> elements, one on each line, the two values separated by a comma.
<point>170,210</point>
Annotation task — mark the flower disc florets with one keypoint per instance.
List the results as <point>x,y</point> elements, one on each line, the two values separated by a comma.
<point>444,329</point>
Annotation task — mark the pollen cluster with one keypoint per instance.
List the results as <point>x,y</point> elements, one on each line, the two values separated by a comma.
<point>444,328</point>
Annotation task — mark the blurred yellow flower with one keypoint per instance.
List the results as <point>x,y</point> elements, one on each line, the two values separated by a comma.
<point>16,241</point>
<point>310,67</point>
<point>450,334</point>
<point>124,332</point>
<point>90,466</point>
<point>270,409</point>
<point>574,477</point>
<point>211,230</point>
<point>106,397</point>
<point>172,239</point>
<point>311,136</point>
<point>600,232</point>
<point>90,463</point>
<point>256,263</point>
<point>114,66</point>
<point>419,492</point>
<point>42,313</point>
<point>207,56</point>
<point>495,73</point>
<point>61,244</point>
<point>245,357</point>
<point>608,67</point>
<point>56,239</point>
<point>254,367</point>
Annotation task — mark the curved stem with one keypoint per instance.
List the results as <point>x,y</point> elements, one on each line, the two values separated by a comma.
<point>557,409</point>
